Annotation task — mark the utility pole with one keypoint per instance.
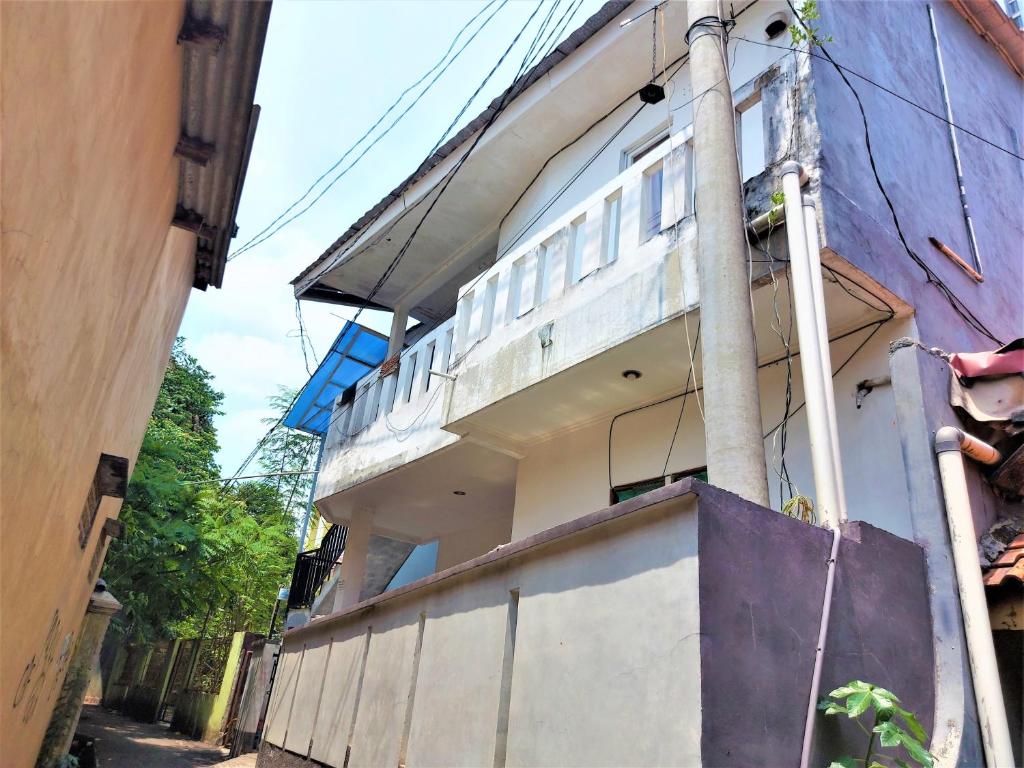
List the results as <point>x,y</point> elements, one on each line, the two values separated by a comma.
<point>732,411</point>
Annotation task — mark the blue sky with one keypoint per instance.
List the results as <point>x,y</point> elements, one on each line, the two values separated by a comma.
<point>329,70</point>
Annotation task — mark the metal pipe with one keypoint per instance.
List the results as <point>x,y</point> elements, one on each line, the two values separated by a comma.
<point>312,490</point>
<point>954,144</point>
<point>951,444</point>
<point>827,490</point>
<point>732,412</point>
<point>818,289</point>
<point>819,651</point>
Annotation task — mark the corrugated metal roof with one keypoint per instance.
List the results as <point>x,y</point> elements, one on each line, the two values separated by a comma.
<point>356,352</point>
<point>218,87</point>
<point>589,28</point>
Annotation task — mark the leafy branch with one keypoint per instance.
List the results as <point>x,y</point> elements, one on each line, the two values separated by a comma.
<point>804,30</point>
<point>895,728</point>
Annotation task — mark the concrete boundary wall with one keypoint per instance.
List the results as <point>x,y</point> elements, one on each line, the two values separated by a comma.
<point>676,628</point>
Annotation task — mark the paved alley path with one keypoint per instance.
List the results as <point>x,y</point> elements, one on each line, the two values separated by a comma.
<point>123,743</point>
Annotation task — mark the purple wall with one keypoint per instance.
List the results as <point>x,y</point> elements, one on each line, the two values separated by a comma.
<point>762,579</point>
<point>892,44</point>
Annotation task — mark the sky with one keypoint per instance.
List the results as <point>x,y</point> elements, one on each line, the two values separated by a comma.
<point>329,70</point>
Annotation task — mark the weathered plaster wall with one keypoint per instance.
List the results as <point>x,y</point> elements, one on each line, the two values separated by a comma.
<point>94,285</point>
<point>914,160</point>
<point>567,476</point>
<point>912,152</point>
<point>747,61</point>
<point>678,628</point>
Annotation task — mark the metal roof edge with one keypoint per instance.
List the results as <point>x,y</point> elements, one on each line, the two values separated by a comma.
<point>579,36</point>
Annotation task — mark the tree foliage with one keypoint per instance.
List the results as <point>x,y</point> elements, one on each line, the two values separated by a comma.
<point>195,558</point>
<point>288,451</point>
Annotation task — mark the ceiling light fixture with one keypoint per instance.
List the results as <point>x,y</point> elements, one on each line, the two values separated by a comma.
<point>631,375</point>
<point>459,493</point>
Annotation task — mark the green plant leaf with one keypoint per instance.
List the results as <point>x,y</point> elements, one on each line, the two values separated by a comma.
<point>912,723</point>
<point>916,749</point>
<point>902,763</point>
<point>888,733</point>
<point>843,762</point>
<point>858,703</point>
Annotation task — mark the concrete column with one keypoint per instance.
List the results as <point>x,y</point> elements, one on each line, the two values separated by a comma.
<point>64,721</point>
<point>353,561</point>
<point>735,449</point>
<point>399,320</point>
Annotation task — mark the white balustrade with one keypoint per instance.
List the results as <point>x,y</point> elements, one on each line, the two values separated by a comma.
<point>602,230</point>
<point>410,388</point>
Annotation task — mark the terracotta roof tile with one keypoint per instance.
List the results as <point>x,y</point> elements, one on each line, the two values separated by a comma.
<point>1009,565</point>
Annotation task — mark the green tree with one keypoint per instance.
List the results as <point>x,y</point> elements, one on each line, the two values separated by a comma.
<point>195,556</point>
<point>289,451</point>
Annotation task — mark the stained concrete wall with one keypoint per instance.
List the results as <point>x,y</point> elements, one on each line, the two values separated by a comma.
<point>677,628</point>
<point>94,286</point>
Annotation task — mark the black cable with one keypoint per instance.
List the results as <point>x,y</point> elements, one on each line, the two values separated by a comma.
<point>682,406</point>
<point>878,85</point>
<point>877,324</point>
<point>954,301</point>
<point>258,238</point>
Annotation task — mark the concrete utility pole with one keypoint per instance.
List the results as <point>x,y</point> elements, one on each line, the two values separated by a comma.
<point>732,411</point>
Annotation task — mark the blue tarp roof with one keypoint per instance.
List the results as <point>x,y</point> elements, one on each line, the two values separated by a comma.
<point>355,353</point>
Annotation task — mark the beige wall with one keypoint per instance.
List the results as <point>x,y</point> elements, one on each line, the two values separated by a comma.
<point>94,286</point>
<point>466,544</point>
<point>567,476</point>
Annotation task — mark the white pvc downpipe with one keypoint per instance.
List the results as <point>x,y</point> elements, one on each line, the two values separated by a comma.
<point>950,445</point>
<point>819,400</point>
<point>815,368</point>
<point>818,289</point>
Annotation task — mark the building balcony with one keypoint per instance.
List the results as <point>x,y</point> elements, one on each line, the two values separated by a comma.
<point>676,628</point>
<point>538,346</point>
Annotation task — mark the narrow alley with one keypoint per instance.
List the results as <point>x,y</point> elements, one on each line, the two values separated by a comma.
<point>123,743</point>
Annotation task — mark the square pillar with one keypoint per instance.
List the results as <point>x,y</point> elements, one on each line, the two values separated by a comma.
<point>353,560</point>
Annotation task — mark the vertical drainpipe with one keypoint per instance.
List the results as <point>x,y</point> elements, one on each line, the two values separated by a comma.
<point>954,144</point>
<point>312,490</point>
<point>735,447</point>
<point>819,399</point>
<point>815,363</point>
<point>950,445</point>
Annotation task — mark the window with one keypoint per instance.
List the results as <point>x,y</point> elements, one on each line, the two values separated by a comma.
<point>629,490</point>
<point>750,136</point>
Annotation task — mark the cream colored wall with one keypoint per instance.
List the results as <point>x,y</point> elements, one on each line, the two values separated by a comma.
<point>94,286</point>
<point>473,542</point>
<point>567,476</point>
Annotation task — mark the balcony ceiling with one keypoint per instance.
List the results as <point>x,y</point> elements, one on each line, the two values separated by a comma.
<point>417,503</point>
<point>459,237</point>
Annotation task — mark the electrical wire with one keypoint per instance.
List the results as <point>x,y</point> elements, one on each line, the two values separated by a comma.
<point>881,87</point>
<point>952,299</point>
<point>262,235</point>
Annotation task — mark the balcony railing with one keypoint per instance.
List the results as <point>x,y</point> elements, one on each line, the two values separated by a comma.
<point>313,568</point>
<point>608,227</point>
<point>405,393</point>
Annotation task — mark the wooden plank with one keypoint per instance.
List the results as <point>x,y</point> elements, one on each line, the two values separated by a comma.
<point>195,150</point>
<point>202,34</point>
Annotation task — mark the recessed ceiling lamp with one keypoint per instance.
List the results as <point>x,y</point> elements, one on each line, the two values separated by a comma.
<point>459,493</point>
<point>631,375</point>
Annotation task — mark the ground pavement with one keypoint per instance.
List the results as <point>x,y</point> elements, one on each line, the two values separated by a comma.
<point>123,743</point>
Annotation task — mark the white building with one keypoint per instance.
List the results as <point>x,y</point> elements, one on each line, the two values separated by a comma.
<point>549,254</point>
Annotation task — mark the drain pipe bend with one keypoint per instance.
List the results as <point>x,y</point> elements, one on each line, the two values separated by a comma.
<point>951,445</point>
